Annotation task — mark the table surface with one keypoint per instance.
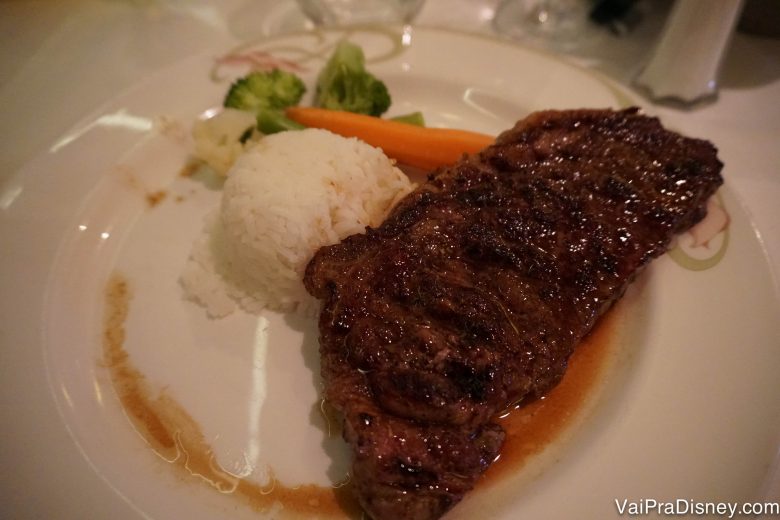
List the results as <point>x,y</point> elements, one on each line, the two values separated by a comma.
<point>61,60</point>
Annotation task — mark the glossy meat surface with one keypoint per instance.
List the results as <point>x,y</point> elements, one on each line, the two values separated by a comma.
<point>474,292</point>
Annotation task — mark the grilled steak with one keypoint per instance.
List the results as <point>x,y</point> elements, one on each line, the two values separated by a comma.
<point>473,293</point>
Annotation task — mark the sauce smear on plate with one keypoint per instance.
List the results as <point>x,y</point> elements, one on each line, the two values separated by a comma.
<point>178,439</point>
<point>533,426</point>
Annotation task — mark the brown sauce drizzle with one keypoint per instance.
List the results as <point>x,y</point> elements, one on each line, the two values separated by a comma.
<point>177,438</point>
<point>190,168</point>
<point>155,197</point>
<point>532,427</point>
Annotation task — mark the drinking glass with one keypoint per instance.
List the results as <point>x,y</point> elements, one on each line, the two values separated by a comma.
<point>356,12</point>
<point>557,24</point>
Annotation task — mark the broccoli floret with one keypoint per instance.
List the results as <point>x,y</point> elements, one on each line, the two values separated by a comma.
<point>273,121</point>
<point>258,91</point>
<point>345,84</point>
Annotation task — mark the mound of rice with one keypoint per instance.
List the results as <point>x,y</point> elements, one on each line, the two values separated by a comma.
<point>284,198</point>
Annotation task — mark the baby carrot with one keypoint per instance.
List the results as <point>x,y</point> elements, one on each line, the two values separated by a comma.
<point>421,147</point>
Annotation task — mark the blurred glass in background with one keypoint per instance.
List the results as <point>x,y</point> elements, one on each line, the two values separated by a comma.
<point>557,24</point>
<point>339,13</point>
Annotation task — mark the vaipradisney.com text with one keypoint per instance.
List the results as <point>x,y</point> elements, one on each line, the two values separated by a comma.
<point>682,506</point>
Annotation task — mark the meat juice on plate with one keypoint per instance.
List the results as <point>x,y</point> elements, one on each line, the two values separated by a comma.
<point>173,434</point>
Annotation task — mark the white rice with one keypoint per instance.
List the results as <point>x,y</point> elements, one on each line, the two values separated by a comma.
<point>284,198</point>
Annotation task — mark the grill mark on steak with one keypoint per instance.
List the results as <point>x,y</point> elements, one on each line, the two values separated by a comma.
<point>473,293</point>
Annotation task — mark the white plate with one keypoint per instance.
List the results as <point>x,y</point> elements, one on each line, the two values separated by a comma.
<point>691,412</point>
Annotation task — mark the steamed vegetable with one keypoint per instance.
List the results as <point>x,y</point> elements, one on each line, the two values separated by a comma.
<point>413,118</point>
<point>220,139</point>
<point>273,121</point>
<point>417,146</point>
<point>257,91</point>
<point>267,94</point>
<point>345,84</point>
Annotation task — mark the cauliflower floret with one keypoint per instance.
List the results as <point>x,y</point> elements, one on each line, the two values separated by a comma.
<point>220,139</point>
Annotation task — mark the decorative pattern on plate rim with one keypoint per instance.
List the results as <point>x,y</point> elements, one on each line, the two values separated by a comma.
<point>705,244</point>
<point>317,46</point>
